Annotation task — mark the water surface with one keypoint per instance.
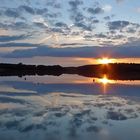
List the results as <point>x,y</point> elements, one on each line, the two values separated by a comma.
<point>69,107</point>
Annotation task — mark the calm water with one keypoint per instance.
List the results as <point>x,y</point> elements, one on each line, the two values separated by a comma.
<point>69,107</point>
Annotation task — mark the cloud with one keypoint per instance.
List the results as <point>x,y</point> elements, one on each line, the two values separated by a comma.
<point>71,18</point>
<point>75,3</point>
<point>96,10</point>
<point>116,116</point>
<point>40,25</point>
<point>11,100</point>
<point>61,24</point>
<point>54,4</point>
<point>31,116</point>
<point>83,17</point>
<point>132,41</point>
<point>123,29</point>
<point>16,26</point>
<point>83,26</point>
<point>107,8</point>
<point>100,35</point>
<point>22,11</point>
<point>7,38</point>
<point>107,18</point>
<point>13,44</point>
<point>27,9</point>
<point>68,88</point>
<point>85,51</point>
<point>95,21</point>
<point>40,11</point>
<point>39,21</point>
<point>12,13</point>
<point>118,25</point>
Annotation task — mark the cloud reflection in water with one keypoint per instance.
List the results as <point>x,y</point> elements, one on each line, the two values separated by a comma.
<point>68,116</point>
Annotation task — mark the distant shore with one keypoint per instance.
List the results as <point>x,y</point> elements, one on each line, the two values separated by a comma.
<point>116,71</point>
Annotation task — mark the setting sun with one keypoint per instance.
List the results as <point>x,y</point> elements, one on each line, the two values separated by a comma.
<point>105,61</point>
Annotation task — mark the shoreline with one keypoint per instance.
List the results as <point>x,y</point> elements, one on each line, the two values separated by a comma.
<point>114,71</point>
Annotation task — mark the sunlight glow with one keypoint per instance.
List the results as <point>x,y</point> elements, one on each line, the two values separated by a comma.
<point>104,80</point>
<point>105,61</point>
<point>53,37</point>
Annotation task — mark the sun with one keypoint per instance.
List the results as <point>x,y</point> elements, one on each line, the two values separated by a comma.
<point>105,61</point>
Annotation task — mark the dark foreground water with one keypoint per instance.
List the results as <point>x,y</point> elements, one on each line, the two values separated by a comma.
<point>68,108</point>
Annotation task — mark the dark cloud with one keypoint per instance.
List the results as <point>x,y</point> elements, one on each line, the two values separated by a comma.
<point>50,2</point>
<point>93,128</point>
<point>118,25</point>
<point>61,24</point>
<point>17,12</point>
<point>32,127</point>
<point>7,38</point>
<point>71,44</point>
<point>27,9</point>
<point>12,13</point>
<point>107,18</point>
<point>59,30</point>
<point>116,116</point>
<point>123,26</point>
<point>40,25</point>
<point>83,22</point>
<point>20,25</point>
<point>132,41</point>
<point>57,5</point>
<point>88,36</point>
<point>101,35</point>
<point>131,30</point>
<point>41,11</point>
<point>53,15</point>
<point>12,44</point>
<point>95,21</point>
<point>83,26</point>
<point>11,100</point>
<point>50,19</point>
<point>75,3</point>
<point>86,51</point>
<point>118,37</point>
<point>53,4</point>
<point>78,17</point>
<point>96,10</point>
<point>16,26</point>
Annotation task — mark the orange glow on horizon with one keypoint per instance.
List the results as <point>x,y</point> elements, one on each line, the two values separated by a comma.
<point>105,61</point>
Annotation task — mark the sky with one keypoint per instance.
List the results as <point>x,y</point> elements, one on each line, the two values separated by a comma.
<point>69,28</point>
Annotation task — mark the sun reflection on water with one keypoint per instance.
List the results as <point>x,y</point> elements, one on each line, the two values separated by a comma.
<point>104,80</point>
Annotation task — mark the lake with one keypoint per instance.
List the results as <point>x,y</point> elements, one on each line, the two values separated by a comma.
<point>69,107</point>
